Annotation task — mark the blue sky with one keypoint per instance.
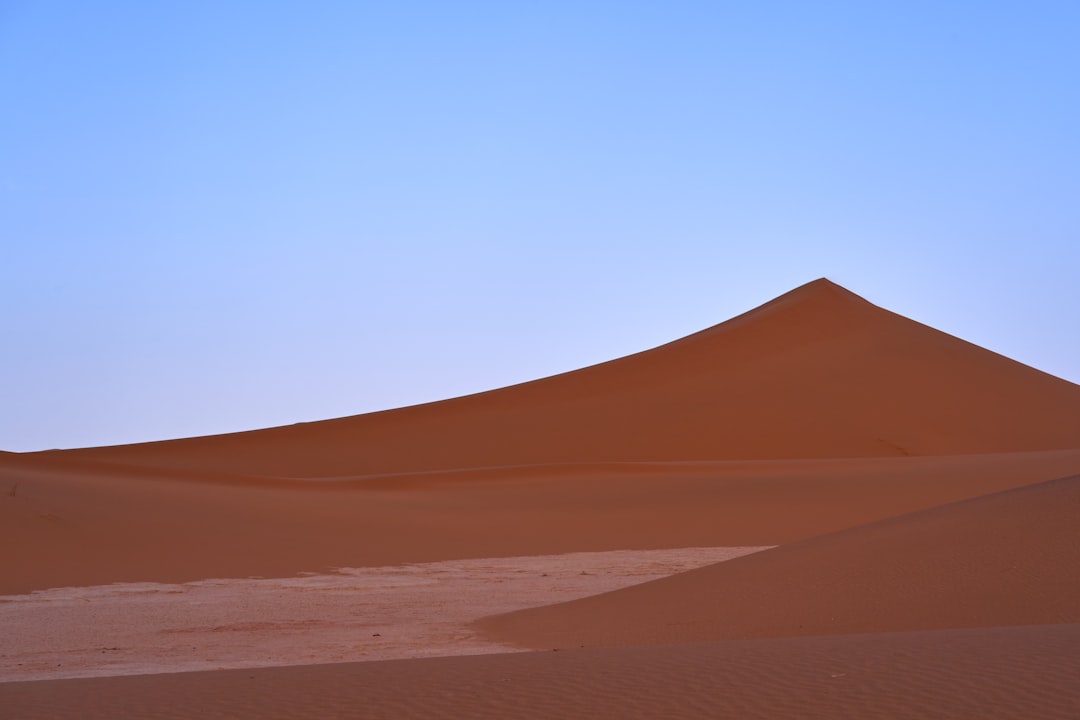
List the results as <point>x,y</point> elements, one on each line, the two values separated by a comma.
<point>221,216</point>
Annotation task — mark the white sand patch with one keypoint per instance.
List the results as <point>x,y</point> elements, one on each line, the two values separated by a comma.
<point>382,613</point>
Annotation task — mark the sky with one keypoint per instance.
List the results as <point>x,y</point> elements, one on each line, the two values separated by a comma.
<point>220,216</point>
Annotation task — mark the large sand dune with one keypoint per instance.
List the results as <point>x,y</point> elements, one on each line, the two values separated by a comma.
<point>816,373</point>
<point>924,494</point>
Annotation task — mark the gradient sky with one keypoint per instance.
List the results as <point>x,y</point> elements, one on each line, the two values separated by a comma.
<point>219,216</point>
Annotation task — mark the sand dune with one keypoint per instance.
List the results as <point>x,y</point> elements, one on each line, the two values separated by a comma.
<point>816,373</point>
<point>923,491</point>
<point>1004,559</point>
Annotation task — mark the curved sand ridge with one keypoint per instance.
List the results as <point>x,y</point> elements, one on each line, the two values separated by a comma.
<point>1009,558</point>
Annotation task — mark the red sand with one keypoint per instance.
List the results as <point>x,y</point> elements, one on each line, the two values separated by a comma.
<point>78,526</point>
<point>986,673</point>
<point>1010,558</point>
<point>816,373</point>
<point>867,445</point>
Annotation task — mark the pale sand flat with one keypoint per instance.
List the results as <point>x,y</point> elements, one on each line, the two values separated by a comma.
<point>381,613</point>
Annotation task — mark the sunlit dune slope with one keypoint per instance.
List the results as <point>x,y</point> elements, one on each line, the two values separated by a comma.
<point>816,373</point>
<point>1009,558</point>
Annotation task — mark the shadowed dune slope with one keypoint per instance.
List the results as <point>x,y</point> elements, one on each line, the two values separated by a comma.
<point>816,373</point>
<point>1004,559</point>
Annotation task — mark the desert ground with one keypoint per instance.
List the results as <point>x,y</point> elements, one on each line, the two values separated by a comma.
<point>818,509</point>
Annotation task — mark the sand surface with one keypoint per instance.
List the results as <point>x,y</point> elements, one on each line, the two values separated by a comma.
<point>1008,558</point>
<point>984,674</point>
<point>82,525</point>
<point>404,611</point>
<point>923,495</point>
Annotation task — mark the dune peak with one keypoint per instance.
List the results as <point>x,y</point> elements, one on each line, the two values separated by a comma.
<point>819,289</point>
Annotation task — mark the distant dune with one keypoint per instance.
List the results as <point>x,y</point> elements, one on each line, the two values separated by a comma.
<point>816,373</point>
<point>924,494</point>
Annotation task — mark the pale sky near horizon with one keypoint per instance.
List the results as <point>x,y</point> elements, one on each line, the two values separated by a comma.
<point>218,216</point>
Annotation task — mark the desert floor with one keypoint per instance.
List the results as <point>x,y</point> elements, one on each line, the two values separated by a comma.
<point>818,509</point>
<point>380,613</point>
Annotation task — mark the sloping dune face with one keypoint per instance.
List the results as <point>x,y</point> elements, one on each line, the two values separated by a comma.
<point>1004,559</point>
<point>816,373</point>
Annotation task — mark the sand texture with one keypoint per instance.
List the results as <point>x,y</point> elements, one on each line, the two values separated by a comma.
<point>1004,559</point>
<point>919,496</point>
<point>88,526</point>
<point>403,611</point>
<point>990,674</point>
